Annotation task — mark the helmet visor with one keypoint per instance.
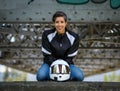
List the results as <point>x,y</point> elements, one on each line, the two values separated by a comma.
<point>60,69</point>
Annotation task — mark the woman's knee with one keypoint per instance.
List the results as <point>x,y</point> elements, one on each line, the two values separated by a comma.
<point>43,72</point>
<point>80,76</point>
<point>40,76</point>
<point>76,73</point>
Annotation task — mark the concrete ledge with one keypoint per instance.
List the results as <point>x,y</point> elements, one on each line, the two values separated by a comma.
<point>59,86</point>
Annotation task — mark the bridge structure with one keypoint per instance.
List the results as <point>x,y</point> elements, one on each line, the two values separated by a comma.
<point>96,21</point>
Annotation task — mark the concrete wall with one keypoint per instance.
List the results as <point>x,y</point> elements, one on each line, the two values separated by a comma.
<point>59,86</point>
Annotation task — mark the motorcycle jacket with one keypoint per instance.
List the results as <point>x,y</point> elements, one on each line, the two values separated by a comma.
<point>59,46</point>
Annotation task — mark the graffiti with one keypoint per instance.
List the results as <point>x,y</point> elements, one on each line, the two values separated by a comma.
<point>98,1</point>
<point>114,4</point>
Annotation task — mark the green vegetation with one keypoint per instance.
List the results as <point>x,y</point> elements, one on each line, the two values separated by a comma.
<point>112,78</point>
<point>12,75</point>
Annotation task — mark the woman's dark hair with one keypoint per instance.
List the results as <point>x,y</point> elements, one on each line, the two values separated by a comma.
<point>59,14</point>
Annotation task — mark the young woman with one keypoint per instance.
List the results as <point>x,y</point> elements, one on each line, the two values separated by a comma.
<point>59,43</point>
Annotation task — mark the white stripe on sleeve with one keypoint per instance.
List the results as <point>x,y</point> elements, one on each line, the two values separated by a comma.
<point>45,51</point>
<point>73,54</point>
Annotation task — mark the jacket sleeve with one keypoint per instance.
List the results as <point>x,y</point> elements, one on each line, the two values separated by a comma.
<point>46,50</point>
<point>73,50</point>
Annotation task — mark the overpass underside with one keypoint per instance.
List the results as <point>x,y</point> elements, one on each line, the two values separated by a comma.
<point>99,49</point>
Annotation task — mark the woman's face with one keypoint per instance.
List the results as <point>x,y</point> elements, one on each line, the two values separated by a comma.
<point>60,25</point>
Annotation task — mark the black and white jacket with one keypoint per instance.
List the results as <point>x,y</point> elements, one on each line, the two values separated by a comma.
<point>56,46</point>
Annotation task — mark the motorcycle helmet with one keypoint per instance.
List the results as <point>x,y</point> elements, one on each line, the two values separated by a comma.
<point>60,70</point>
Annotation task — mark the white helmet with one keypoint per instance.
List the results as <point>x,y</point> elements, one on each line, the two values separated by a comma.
<point>59,70</point>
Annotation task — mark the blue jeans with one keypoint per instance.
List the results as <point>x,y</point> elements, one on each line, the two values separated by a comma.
<point>43,73</point>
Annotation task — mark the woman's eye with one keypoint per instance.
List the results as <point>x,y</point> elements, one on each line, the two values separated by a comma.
<point>57,22</point>
<point>62,22</point>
